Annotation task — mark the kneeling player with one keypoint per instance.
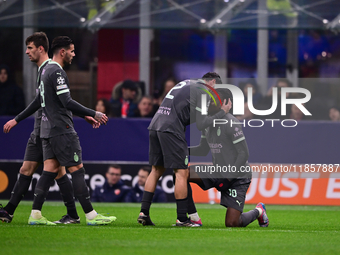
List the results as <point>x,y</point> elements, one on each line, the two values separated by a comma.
<point>232,150</point>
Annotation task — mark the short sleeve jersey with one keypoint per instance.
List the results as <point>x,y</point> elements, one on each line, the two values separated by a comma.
<point>180,108</point>
<point>57,120</point>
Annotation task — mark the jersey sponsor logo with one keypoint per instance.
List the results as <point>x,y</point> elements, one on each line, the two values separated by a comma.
<point>218,131</point>
<point>60,80</point>
<point>62,87</point>
<point>164,110</point>
<point>215,147</point>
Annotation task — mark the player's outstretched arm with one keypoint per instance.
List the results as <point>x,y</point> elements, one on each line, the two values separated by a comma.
<point>9,125</point>
<point>92,121</point>
<point>80,110</point>
<point>101,117</point>
<point>29,110</point>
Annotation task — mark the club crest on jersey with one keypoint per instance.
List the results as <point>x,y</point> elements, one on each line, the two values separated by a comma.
<point>76,157</point>
<point>60,80</point>
<point>218,131</point>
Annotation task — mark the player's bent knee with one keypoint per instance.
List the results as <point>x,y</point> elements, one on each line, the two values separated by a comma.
<point>28,168</point>
<point>75,168</point>
<point>182,173</point>
<point>232,224</point>
<point>26,171</point>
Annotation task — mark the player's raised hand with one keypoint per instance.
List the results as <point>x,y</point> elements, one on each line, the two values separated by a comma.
<point>92,121</point>
<point>226,107</point>
<point>9,125</point>
<point>101,117</point>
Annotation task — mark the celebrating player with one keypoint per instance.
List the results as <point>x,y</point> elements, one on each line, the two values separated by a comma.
<point>232,150</point>
<point>168,147</point>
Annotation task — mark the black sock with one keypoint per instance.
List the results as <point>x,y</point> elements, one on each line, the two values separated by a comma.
<point>249,217</point>
<point>66,192</point>
<point>191,203</point>
<point>41,189</point>
<point>81,190</point>
<point>182,208</point>
<point>146,202</point>
<point>20,188</point>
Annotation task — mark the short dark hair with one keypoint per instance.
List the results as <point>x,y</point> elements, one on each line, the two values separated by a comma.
<point>114,166</point>
<point>38,39</point>
<point>212,76</point>
<point>60,42</point>
<point>146,169</point>
<point>128,84</point>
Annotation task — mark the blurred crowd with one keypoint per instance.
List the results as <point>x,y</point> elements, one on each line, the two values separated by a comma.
<point>322,105</point>
<point>128,99</point>
<point>115,190</point>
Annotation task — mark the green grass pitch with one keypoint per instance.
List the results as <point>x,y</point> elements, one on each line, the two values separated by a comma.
<point>292,230</point>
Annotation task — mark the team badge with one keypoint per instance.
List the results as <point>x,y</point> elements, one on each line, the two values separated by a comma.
<point>76,157</point>
<point>186,161</point>
<point>117,192</point>
<point>60,80</point>
<point>218,131</point>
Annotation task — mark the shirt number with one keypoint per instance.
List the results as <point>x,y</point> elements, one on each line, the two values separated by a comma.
<point>232,193</point>
<point>42,91</point>
<point>179,86</point>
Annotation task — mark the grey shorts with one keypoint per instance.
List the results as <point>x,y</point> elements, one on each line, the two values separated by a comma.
<point>235,195</point>
<point>65,148</point>
<point>168,150</point>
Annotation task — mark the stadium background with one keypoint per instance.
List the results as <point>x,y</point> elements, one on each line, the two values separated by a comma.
<point>117,40</point>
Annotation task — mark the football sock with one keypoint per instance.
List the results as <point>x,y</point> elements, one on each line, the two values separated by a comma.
<point>191,204</point>
<point>20,188</point>
<point>41,189</point>
<point>36,214</point>
<point>91,215</point>
<point>194,216</point>
<point>146,202</point>
<point>66,192</point>
<point>260,211</point>
<point>81,190</point>
<point>182,209</point>
<point>249,217</point>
